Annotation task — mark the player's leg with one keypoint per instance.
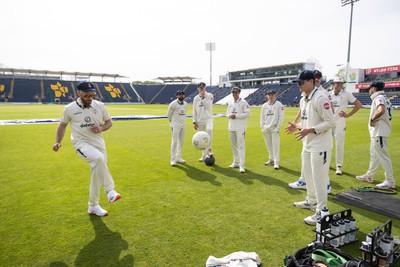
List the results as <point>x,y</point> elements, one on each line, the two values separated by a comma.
<point>174,145</point>
<point>340,134</point>
<point>276,143</point>
<point>320,163</point>
<point>210,130</point>
<point>382,153</point>
<point>241,148</point>
<point>268,144</point>
<point>181,139</point>
<point>234,146</point>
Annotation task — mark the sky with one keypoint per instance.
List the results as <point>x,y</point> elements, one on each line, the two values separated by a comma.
<point>146,39</point>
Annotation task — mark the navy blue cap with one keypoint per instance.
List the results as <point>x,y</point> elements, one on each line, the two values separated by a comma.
<point>317,74</point>
<point>271,91</point>
<point>305,75</point>
<point>180,92</point>
<point>235,89</point>
<point>201,85</point>
<point>86,86</point>
<point>378,84</point>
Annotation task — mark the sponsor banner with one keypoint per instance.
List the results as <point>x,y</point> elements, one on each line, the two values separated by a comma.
<point>381,70</point>
<point>387,85</point>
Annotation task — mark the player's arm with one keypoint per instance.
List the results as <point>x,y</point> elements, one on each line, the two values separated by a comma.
<point>357,106</point>
<point>62,127</point>
<point>297,118</point>
<point>380,110</point>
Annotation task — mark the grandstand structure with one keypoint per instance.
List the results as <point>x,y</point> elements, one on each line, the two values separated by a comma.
<point>35,86</point>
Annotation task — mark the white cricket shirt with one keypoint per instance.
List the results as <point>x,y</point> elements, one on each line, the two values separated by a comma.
<point>271,117</point>
<point>383,127</point>
<point>177,113</point>
<point>242,111</point>
<point>202,108</point>
<point>340,101</point>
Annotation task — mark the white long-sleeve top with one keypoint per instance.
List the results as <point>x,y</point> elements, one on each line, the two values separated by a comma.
<point>271,117</point>
<point>383,126</point>
<point>242,111</point>
<point>176,113</point>
<point>316,112</point>
<point>340,102</point>
<point>202,108</point>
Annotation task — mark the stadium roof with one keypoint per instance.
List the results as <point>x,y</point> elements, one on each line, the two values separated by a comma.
<point>13,71</point>
<point>174,79</point>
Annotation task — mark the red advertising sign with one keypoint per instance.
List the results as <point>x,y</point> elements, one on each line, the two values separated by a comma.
<point>381,70</point>
<point>387,85</point>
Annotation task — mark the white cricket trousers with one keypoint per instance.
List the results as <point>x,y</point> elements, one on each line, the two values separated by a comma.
<point>272,142</point>
<point>207,127</point>
<point>340,133</point>
<point>380,155</point>
<point>316,167</point>
<point>99,173</point>
<point>238,147</point>
<point>178,137</point>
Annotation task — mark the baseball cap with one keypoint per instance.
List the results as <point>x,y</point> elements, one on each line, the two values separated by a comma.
<point>305,75</point>
<point>271,92</point>
<point>378,84</point>
<point>338,80</point>
<point>201,85</point>
<point>180,92</point>
<point>86,86</point>
<point>235,89</point>
<point>317,74</point>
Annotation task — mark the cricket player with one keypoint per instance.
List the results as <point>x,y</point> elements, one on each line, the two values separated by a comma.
<point>380,128</point>
<point>315,130</point>
<point>301,183</point>
<point>88,119</point>
<point>271,119</point>
<point>238,111</point>
<point>203,119</point>
<point>176,115</point>
<point>340,98</point>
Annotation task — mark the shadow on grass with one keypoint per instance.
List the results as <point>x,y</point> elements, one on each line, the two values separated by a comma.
<point>198,175</point>
<point>105,249</point>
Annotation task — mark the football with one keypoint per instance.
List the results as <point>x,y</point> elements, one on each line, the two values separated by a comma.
<point>201,140</point>
<point>209,160</point>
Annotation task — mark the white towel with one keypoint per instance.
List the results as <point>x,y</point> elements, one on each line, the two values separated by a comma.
<point>236,259</point>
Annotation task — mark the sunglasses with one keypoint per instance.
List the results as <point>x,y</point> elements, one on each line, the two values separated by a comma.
<point>300,83</point>
<point>87,96</point>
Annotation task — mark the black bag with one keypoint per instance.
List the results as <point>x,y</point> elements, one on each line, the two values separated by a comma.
<point>303,257</point>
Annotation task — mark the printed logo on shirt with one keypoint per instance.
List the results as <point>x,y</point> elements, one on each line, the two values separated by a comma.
<point>88,123</point>
<point>327,106</point>
<point>304,117</point>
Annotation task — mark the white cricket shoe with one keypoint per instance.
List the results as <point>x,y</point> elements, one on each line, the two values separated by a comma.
<point>313,219</point>
<point>173,163</point>
<point>113,196</point>
<point>276,166</point>
<point>365,178</point>
<point>339,170</point>
<point>181,160</point>
<point>234,165</point>
<point>269,162</point>
<point>298,185</point>
<point>386,185</point>
<point>242,170</point>
<point>305,205</point>
<point>201,159</point>
<point>97,210</point>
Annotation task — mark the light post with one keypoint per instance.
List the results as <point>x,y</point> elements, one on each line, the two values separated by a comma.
<point>210,47</point>
<point>345,3</point>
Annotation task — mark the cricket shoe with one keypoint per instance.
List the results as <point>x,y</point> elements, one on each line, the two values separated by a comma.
<point>234,165</point>
<point>201,159</point>
<point>298,185</point>
<point>386,185</point>
<point>305,205</point>
<point>113,196</point>
<point>97,210</point>
<point>242,170</point>
<point>339,170</point>
<point>181,160</point>
<point>365,178</point>
<point>269,162</point>
<point>173,163</point>
<point>313,219</point>
<point>276,166</point>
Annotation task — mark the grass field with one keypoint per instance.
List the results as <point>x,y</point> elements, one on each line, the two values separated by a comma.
<point>168,216</point>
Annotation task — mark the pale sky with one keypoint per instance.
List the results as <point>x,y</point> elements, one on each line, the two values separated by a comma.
<point>151,38</point>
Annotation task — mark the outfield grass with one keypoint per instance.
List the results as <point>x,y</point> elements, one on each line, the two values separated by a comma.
<point>168,216</point>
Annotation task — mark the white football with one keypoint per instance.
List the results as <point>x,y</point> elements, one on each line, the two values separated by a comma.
<point>201,140</point>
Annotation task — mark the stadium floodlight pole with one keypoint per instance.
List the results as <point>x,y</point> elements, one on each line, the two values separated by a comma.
<point>210,47</point>
<point>345,3</point>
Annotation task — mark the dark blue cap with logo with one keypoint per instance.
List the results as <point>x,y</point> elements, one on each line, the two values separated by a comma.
<point>378,84</point>
<point>86,86</point>
<point>271,91</point>
<point>305,75</point>
<point>201,85</point>
<point>180,92</point>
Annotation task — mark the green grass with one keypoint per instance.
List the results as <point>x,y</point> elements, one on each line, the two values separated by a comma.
<point>167,216</point>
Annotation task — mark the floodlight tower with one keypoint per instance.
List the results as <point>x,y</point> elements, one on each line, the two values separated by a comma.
<point>210,47</point>
<point>345,3</point>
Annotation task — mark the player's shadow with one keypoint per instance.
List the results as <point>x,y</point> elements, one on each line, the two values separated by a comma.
<point>105,249</point>
<point>198,175</point>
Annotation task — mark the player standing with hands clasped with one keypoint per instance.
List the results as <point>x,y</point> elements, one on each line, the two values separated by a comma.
<point>176,115</point>
<point>271,119</point>
<point>203,119</point>
<point>88,118</point>
<point>340,99</point>
<point>380,128</point>
<point>315,131</point>
<point>238,111</point>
